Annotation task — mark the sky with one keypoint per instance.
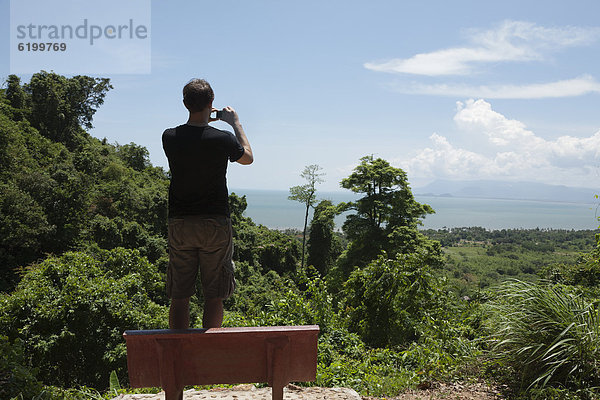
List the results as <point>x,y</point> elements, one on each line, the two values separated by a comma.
<point>460,90</point>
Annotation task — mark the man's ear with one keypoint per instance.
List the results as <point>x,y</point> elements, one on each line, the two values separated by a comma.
<point>209,107</point>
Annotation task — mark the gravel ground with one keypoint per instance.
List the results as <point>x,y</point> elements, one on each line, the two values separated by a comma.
<point>428,391</point>
<point>250,392</point>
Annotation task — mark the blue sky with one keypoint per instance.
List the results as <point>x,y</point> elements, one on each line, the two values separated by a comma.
<point>445,90</point>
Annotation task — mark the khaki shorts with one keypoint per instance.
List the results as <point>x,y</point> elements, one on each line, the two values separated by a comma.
<point>202,243</point>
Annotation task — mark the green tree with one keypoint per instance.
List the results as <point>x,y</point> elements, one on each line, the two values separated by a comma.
<point>305,194</point>
<point>390,301</point>
<point>385,218</point>
<point>134,156</point>
<point>60,188</point>
<point>23,230</point>
<point>237,207</point>
<point>60,106</point>
<point>584,272</point>
<point>323,245</point>
<point>15,93</point>
<point>15,376</point>
<point>267,249</point>
<point>70,313</point>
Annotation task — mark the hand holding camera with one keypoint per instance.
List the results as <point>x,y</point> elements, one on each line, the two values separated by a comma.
<point>227,114</point>
<point>215,114</point>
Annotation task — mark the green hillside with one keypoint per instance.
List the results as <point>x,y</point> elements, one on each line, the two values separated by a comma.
<point>83,258</point>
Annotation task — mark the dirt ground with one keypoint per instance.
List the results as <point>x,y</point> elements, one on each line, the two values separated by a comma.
<point>454,391</point>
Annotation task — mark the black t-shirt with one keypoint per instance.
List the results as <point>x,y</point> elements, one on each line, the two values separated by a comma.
<point>198,162</point>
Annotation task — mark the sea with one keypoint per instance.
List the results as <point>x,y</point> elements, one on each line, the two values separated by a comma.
<point>273,209</point>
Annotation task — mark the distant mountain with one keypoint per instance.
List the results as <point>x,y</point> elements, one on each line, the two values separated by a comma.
<point>508,190</point>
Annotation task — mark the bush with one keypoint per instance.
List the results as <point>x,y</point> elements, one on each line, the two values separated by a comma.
<point>15,377</point>
<point>390,301</point>
<point>549,335</point>
<point>71,311</point>
<point>270,300</point>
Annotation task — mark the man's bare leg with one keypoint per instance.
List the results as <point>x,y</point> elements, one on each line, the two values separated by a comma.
<point>179,313</point>
<point>213,313</point>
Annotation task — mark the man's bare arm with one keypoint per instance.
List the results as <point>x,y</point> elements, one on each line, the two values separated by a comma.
<point>230,116</point>
<point>247,157</point>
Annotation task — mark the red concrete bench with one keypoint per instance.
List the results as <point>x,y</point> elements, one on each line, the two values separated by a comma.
<point>172,359</point>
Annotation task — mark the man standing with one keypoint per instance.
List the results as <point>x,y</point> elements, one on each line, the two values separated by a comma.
<point>200,235</point>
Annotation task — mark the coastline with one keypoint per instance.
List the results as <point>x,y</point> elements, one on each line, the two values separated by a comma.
<point>272,209</point>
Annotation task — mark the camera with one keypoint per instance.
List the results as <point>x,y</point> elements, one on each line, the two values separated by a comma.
<point>216,114</point>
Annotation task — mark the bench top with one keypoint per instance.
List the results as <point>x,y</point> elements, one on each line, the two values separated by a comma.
<point>244,329</point>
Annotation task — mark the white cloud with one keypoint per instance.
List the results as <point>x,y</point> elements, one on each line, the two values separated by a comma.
<point>511,41</point>
<point>478,116</point>
<point>444,62</point>
<point>565,88</point>
<point>519,154</point>
<point>445,160</point>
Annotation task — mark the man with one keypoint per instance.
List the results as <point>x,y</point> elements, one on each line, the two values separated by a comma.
<point>200,235</point>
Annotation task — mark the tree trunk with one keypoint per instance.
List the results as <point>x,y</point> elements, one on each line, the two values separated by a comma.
<point>304,232</point>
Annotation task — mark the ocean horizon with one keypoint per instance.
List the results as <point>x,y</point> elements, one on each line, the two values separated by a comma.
<point>272,209</point>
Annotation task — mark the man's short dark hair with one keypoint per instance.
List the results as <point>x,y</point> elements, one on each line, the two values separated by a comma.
<point>197,95</point>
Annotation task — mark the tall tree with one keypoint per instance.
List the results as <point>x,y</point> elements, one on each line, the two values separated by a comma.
<point>14,92</point>
<point>323,245</point>
<point>60,106</point>
<point>305,194</point>
<point>385,218</point>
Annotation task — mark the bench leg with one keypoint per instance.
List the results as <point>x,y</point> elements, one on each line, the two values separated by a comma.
<point>278,358</point>
<point>169,358</point>
<point>173,393</point>
<point>277,392</point>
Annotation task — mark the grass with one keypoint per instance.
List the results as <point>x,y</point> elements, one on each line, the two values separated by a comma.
<point>548,334</point>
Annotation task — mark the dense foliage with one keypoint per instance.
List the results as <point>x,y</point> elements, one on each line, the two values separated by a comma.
<point>262,248</point>
<point>585,272</point>
<point>16,377</point>
<point>83,257</point>
<point>389,301</point>
<point>71,311</point>
<point>478,259</point>
<point>60,188</point>
<point>324,246</point>
<point>542,240</point>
